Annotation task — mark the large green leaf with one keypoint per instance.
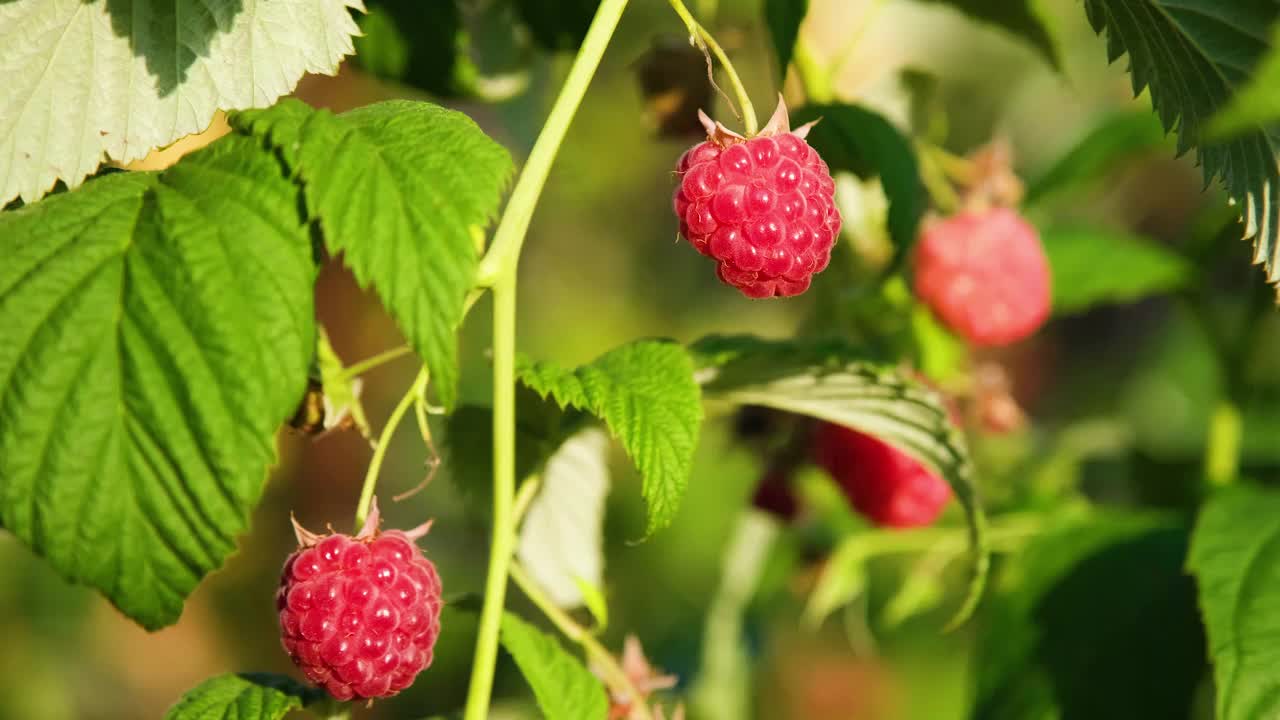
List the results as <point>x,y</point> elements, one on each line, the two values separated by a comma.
<point>1115,139</point>
<point>562,536</point>
<point>1235,556</point>
<point>1258,102</point>
<point>863,142</point>
<point>100,77</point>
<point>564,688</point>
<point>248,696</point>
<point>646,395</point>
<point>843,387</point>
<point>1093,620</point>
<point>1092,267</point>
<point>398,187</point>
<point>783,18</point>
<point>157,331</point>
<point>1019,17</point>
<point>1194,55</point>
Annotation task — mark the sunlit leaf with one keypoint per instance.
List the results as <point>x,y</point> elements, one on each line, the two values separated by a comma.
<point>90,79</point>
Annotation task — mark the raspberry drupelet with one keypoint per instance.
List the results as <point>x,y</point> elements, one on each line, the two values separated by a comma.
<point>360,615</point>
<point>762,207</point>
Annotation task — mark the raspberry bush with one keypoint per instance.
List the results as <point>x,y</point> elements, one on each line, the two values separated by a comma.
<point>1030,394</point>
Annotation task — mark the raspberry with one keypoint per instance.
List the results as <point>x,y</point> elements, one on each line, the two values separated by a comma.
<point>762,207</point>
<point>360,615</point>
<point>883,483</point>
<point>774,496</point>
<point>985,275</point>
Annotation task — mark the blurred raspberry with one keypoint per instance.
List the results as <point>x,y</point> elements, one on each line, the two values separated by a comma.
<point>762,207</point>
<point>774,495</point>
<point>985,275</point>
<point>360,615</point>
<point>883,483</point>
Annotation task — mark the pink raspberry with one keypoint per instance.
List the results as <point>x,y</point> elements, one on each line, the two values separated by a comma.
<point>762,207</point>
<point>360,615</point>
<point>888,486</point>
<point>985,275</point>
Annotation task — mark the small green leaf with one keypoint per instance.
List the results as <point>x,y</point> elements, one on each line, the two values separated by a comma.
<point>541,427</point>
<point>784,18</point>
<point>562,537</point>
<point>1116,139</point>
<point>863,142</point>
<point>1235,557</point>
<point>646,395</point>
<point>1094,619</point>
<point>397,187</point>
<point>593,599</point>
<point>1257,103</point>
<point>1093,267</point>
<point>341,393</point>
<point>843,579</point>
<point>1195,55</point>
<point>158,330</point>
<point>93,79</point>
<point>1021,18</point>
<point>247,696</point>
<point>564,688</point>
<point>845,388</point>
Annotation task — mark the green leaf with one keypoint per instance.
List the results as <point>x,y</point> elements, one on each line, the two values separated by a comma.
<point>158,330</point>
<point>784,18</point>
<point>247,696</point>
<point>843,580</point>
<point>398,187</point>
<point>562,537</point>
<point>646,395</point>
<point>558,24</point>
<point>1094,267</point>
<point>1094,619</point>
<point>594,601</point>
<point>1194,55</point>
<point>845,388</point>
<point>1018,17</point>
<point>564,688</point>
<point>541,428</point>
<point>95,78</point>
<point>1235,557</point>
<point>1114,140</point>
<point>424,44</point>
<point>1257,103</point>
<point>341,393</point>
<point>863,142</point>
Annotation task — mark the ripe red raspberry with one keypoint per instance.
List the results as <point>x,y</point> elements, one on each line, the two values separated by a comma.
<point>360,615</point>
<point>888,486</point>
<point>762,207</point>
<point>985,275</point>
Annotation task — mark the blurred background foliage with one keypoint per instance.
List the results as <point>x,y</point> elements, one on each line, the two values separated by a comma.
<point>1121,395</point>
